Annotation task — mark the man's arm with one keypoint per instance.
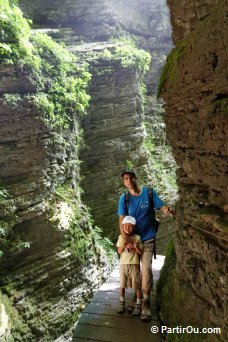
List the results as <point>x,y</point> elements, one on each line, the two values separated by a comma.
<point>121,217</point>
<point>138,250</point>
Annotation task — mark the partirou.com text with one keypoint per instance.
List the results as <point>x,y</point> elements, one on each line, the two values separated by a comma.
<point>185,330</point>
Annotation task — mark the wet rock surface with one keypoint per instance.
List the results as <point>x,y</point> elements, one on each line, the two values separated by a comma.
<point>196,105</point>
<point>43,287</point>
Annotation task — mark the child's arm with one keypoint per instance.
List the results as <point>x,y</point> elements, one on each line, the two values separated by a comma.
<point>125,243</point>
<point>134,247</point>
<point>137,246</point>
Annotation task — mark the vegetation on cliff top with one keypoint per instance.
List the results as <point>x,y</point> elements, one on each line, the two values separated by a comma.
<point>131,55</point>
<point>59,79</point>
<point>125,51</point>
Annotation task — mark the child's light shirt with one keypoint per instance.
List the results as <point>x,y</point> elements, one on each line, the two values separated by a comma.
<point>128,257</point>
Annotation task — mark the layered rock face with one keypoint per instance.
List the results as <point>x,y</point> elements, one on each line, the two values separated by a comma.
<point>85,21</point>
<point>51,260</point>
<point>195,92</point>
<point>114,133</point>
<point>38,276</point>
<point>40,164</point>
<point>114,126</point>
<point>101,19</point>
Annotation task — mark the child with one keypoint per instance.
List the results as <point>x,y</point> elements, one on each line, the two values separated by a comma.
<point>130,247</point>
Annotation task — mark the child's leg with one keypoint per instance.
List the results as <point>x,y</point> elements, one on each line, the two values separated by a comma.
<point>122,294</point>
<point>121,308</point>
<point>122,281</point>
<point>138,291</point>
<point>139,295</point>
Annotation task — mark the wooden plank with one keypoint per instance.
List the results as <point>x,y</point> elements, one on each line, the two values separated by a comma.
<point>116,295</point>
<point>111,307</point>
<point>116,321</point>
<point>105,308</point>
<point>105,295</point>
<point>81,339</point>
<point>114,302</point>
<point>110,286</point>
<point>114,334</point>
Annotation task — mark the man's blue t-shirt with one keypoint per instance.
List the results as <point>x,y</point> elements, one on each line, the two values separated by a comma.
<point>139,208</point>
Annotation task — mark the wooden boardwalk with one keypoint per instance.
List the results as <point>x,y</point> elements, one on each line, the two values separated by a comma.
<point>100,321</point>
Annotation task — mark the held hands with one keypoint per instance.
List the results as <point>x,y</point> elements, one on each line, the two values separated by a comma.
<point>132,246</point>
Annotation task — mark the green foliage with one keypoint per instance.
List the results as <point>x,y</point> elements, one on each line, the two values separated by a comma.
<point>9,247</point>
<point>3,194</point>
<point>125,51</point>
<point>102,244</point>
<point>169,265</point>
<point>148,143</point>
<point>170,69</point>
<point>159,160</point>
<point>132,56</point>
<point>60,80</point>
<point>16,325</point>
<point>82,240</point>
<point>12,99</point>
<point>166,275</point>
<point>107,54</point>
<point>142,92</point>
<point>8,219</point>
<point>65,80</point>
<point>222,105</point>
<point>129,164</point>
<point>15,46</point>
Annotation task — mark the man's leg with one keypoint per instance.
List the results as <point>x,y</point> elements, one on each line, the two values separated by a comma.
<point>147,278</point>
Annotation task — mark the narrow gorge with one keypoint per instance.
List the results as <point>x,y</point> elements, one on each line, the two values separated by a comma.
<point>78,103</point>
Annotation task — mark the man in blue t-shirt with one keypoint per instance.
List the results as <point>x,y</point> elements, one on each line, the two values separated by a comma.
<point>140,208</point>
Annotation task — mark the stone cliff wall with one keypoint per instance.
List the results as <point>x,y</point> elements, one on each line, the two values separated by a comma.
<point>115,125</point>
<point>44,224</point>
<point>43,286</point>
<point>195,92</point>
<point>102,19</point>
<point>114,133</point>
<point>51,257</point>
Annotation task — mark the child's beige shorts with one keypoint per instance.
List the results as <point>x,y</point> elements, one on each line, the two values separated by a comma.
<point>130,276</point>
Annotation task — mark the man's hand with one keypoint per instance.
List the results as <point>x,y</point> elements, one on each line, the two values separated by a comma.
<point>131,246</point>
<point>168,211</point>
<point>171,212</point>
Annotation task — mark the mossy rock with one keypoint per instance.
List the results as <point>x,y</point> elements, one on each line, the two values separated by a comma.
<point>170,69</point>
<point>178,304</point>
